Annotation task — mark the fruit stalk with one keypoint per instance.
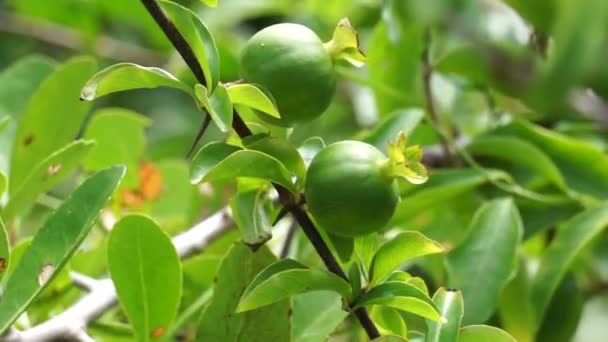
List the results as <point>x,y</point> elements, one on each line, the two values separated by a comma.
<point>287,199</point>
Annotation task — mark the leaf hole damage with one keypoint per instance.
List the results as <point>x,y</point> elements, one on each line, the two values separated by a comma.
<point>159,331</point>
<point>53,169</point>
<point>28,140</point>
<point>45,274</point>
<point>2,264</point>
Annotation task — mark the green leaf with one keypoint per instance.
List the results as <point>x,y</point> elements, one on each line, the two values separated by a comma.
<point>403,296</point>
<point>389,320</point>
<point>128,76</point>
<point>55,242</point>
<point>572,237</point>
<point>563,314</point>
<point>219,322</point>
<point>451,307</point>
<point>52,118</point>
<point>199,38</point>
<point>343,245</point>
<point>120,138</point>
<point>279,148</point>
<point>249,211</point>
<point>484,333</point>
<point>345,44</point>
<point>146,271</point>
<point>46,175</point>
<point>217,161</point>
<point>441,186</point>
<point>286,278</point>
<point>2,183</point>
<point>310,147</point>
<point>398,250</point>
<point>251,95</point>
<point>482,265</point>
<point>519,152</point>
<point>583,166</point>
<point>210,3</point>
<point>218,105</point>
<point>4,121</point>
<point>17,83</point>
<point>4,250</point>
<point>365,248</point>
<point>401,120</point>
<point>517,315</point>
<point>316,315</point>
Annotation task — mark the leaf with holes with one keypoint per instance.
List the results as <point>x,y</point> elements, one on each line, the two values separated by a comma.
<point>55,242</point>
<point>398,250</point>
<point>199,38</point>
<point>52,119</point>
<point>218,105</point>
<point>146,271</point>
<point>46,175</point>
<point>128,76</point>
<point>217,161</point>
<point>251,95</point>
<point>286,278</point>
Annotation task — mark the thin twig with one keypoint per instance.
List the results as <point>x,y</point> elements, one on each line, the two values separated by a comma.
<point>291,234</point>
<point>71,324</point>
<point>58,35</point>
<point>286,198</point>
<point>427,73</point>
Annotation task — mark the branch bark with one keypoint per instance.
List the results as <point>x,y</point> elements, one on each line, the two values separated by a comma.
<point>71,324</point>
<point>286,198</point>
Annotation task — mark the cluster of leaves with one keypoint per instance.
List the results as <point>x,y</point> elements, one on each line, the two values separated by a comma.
<point>517,212</point>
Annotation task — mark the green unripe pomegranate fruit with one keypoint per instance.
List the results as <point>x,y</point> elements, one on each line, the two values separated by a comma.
<point>291,62</point>
<point>350,189</point>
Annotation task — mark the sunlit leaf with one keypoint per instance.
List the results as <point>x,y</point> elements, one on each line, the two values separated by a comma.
<point>4,250</point>
<point>451,307</point>
<point>316,315</point>
<point>279,148</point>
<point>218,105</point>
<point>398,250</point>
<point>253,96</point>
<point>128,76</point>
<point>199,39</point>
<point>251,216</point>
<point>310,147</point>
<point>484,333</point>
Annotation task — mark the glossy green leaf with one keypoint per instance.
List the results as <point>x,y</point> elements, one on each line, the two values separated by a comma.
<point>365,248</point>
<point>17,83</point>
<point>484,333</point>
<point>55,242</point>
<point>249,211</point>
<point>441,186</point>
<point>310,147</point>
<point>482,265</point>
<point>46,175</point>
<point>451,307</point>
<point>210,3</point>
<point>401,120</point>
<point>342,245</point>
<point>403,296</point>
<point>120,138</point>
<point>2,183</point>
<point>279,148</point>
<point>217,161</point>
<point>517,315</point>
<point>316,315</point>
<point>199,38</point>
<point>571,238</point>
<point>128,76</point>
<point>52,118</point>
<point>519,152</point>
<point>219,322</point>
<point>218,105</point>
<point>252,96</point>
<point>4,121</point>
<point>4,250</point>
<point>582,165</point>
<point>146,271</point>
<point>286,278</point>
<point>396,251</point>
<point>388,320</point>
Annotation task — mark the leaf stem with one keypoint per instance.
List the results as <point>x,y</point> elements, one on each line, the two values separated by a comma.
<point>287,198</point>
